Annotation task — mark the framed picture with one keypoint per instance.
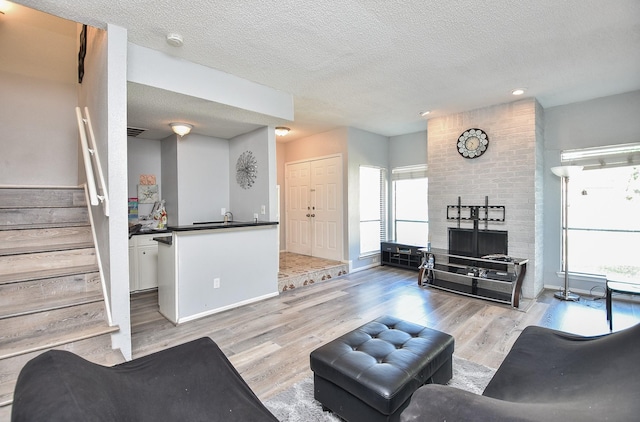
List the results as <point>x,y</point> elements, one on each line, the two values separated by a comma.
<point>147,194</point>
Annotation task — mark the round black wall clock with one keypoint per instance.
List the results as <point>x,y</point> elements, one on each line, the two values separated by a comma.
<point>246,170</point>
<point>472,143</point>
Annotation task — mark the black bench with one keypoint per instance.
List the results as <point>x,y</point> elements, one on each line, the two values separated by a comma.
<point>370,373</point>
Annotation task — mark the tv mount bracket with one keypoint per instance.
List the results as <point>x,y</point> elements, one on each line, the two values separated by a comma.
<point>476,213</point>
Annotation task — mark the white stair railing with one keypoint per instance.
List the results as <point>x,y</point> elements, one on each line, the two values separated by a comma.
<point>103,284</point>
<point>91,161</point>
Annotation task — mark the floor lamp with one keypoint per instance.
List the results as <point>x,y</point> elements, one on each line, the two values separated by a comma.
<point>565,172</point>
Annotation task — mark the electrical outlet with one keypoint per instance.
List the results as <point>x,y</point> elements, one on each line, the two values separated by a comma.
<point>216,283</point>
<point>223,211</point>
<point>263,210</point>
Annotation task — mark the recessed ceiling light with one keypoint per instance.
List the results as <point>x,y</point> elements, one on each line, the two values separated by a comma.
<point>175,40</point>
<point>518,91</point>
<point>424,113</point>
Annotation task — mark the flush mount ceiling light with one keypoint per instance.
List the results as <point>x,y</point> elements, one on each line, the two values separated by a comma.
<point>518,91</point>
<point>281,130</point>
<point>4,6</point>
<point>181,129</point>
<point>425,113</point>
<point>175,40</point>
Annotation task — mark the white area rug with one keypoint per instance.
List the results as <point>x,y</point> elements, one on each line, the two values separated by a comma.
<point>298,405</point>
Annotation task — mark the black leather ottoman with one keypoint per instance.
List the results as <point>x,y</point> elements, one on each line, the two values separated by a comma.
<point>370,373</point>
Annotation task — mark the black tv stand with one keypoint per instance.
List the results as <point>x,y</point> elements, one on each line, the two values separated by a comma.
<point>498,280</point>
<point>400,255</point>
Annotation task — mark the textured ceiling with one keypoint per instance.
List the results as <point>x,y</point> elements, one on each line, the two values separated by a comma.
<point>375,65</point>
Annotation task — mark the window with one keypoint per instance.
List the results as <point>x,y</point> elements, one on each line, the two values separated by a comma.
<point>410,205</point>
<point>604,215</point>
<point>373,209</point>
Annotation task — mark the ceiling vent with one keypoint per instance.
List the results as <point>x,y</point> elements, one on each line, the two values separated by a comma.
<point>134,131</point>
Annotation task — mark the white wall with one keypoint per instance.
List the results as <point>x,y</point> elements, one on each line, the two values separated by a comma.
<point>38,81</point>
<point>160,70</point>
<point>604,121</point>
<point>195,176</point>
<point>104,92</point>
<point>199,177</point>
<point>506,173</point>
<point>245,202</point>
<point>408,150</point>
<point>169,181</point>
<point>203,178</point>
<point>143,157</point>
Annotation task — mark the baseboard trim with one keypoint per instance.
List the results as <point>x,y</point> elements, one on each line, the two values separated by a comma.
<point>225,308</point>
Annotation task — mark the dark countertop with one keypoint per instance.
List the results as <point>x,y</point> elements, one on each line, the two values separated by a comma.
<point>220,225</point>
<point>152,231</point>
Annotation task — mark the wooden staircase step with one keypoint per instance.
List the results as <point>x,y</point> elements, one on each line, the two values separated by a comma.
<point>50,289</point>
<point>18,197</point>
<point>47,294</point>
<point>14,242</point>
<point>11,218</point>
<point>42,226</point>
<point>46,264</point>
<point>45,330</point>
<point>95,349</point>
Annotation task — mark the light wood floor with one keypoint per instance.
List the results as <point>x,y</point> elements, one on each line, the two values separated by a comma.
<point>269,342</point>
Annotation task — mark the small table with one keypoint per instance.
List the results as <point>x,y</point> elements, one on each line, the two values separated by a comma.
<point>620,287</point>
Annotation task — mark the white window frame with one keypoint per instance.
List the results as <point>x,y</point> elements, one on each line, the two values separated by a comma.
<point>406,173</point>
<point>627,155</point>
<point>382,218</point>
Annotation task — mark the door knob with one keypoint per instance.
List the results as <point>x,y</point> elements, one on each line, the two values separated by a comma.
<point>308,215</point>
<point>313,215</point>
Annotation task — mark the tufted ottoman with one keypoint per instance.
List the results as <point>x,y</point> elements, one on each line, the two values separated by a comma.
<point>369,374</point>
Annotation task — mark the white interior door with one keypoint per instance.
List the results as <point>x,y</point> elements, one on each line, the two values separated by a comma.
<point>326,208</point>
<point>297,208</point>
<point>314,216</point>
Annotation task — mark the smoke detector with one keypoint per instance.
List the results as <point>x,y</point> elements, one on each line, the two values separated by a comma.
<point>175,40</point>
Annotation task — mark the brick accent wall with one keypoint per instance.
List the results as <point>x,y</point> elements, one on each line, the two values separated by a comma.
<point>509,173</point>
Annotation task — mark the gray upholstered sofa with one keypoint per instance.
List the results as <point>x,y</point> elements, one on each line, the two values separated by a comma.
<point>547,376</point>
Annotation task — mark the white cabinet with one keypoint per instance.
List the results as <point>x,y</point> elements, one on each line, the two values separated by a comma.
<point>143,262</point>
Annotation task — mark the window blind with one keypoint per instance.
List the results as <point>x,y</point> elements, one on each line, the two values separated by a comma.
<point>599,157</point>
<point>409,172</point>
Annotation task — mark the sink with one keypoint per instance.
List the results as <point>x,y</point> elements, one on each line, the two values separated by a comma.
<point>208,222</point>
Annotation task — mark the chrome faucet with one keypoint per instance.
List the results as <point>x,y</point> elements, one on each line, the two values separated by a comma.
<point>228,217</point>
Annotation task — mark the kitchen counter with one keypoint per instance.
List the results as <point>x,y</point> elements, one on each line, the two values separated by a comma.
<point>213,266</point>
<point>214,225</point>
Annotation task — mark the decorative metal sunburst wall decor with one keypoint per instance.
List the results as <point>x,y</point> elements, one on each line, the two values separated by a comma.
<point>246,170</point>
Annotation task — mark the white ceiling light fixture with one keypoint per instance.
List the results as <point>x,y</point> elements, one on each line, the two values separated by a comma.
<point>518,91</point>
<point>282,131</point>
<point>4,6</point>
<point>181,129</point>
<point>175,40</point>
<point>425,113</point>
